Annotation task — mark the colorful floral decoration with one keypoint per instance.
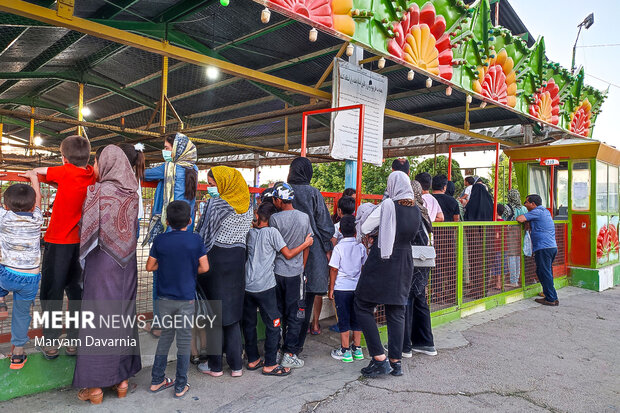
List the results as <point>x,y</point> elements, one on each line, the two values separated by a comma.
<point>497,79</point>
<point>341,15</point>
<point>319,11</point>
<point>420,38</point>
<point>546,104</point>
<point>580,119</point>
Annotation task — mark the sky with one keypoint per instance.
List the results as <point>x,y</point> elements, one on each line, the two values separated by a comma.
<point>556,21</point>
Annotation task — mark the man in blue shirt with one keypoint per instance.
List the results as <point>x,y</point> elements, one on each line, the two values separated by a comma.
<point>543,245</point>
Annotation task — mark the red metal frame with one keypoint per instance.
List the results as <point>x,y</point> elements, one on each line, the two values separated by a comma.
<point>360,141</point>
<point>466,145</point>
<point>509,174</point>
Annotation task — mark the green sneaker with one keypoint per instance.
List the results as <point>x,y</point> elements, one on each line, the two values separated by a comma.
<point>347,357</point>
<point>357,354</point>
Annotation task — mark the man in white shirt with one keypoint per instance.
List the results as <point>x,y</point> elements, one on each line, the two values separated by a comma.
<point>431,204</point>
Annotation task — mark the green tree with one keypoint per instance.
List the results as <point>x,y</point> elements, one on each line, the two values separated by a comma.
<point>329,176</point>
<point>441,167</point>
<point>502,182</point>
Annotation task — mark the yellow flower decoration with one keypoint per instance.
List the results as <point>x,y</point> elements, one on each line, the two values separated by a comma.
<point>498,81</point>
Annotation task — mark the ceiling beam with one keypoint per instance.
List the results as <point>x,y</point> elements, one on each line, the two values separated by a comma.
<point>182,10</point>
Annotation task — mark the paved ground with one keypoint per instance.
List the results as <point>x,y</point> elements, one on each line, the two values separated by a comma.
<point>520,357</point>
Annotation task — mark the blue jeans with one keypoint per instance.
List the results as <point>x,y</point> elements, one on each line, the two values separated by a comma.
<point>544,271</point>
<point>514,267</point>
<point>25,287</point>
<point>180,309</point>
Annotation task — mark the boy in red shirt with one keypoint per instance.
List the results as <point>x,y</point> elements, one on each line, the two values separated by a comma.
<point>61,271</point>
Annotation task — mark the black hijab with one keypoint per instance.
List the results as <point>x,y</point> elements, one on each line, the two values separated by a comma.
<point>480,205</point>
<point>450,188</point>
<point>300,172</point>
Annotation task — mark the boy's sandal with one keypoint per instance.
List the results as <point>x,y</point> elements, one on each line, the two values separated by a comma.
<point>183,393</point>
<point>71,351</point>
<point>258,365</point>
<point>168,382</point>
<point>4,311</point>
<point>50,353</point>
<point>278,371</point>
<point>18,361</point>
<point>315,332</point>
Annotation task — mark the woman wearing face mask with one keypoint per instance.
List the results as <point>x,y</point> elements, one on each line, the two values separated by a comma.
<point>224,227</point>
<point>177,180</point>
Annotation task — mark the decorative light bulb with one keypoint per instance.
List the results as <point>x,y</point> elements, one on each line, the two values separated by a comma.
<point>410,75</point>
<point>381,63</point>
<point>265,15</point>
<point>468,99</point>
<point>350,50</point>
<point>429,82</point>
<point>86,111</point>
<point>313,35</point>
<point>449,91</point>
<point>213,72</point>
<point>483,104</point>
<point>38,140</point>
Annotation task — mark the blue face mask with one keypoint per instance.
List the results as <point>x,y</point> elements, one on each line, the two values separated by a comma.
<point>212,191</point>
<point>167,155</point>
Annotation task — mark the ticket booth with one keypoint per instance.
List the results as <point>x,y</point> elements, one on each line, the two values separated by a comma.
<point>578,182</point>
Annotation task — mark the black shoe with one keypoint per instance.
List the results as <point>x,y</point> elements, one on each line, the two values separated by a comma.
<point>376,368</point>
<point>397,368</point>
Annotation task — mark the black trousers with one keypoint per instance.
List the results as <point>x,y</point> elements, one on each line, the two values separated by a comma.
<point>232,348</point>
<point>289,291</point>
<point>418,332</point>
<point>61,273</point>
<point>395,316</point>
<point>309,301</point>
<point>267,303</point>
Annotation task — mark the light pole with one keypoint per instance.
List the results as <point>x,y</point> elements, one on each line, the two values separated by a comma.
<point>587,23</point>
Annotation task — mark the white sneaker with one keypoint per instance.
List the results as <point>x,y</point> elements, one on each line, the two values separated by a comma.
<point>291,361</point>
<point>407,354</point>
<point>428,350</point>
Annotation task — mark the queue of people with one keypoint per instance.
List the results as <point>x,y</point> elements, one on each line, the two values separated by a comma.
<point>278,261</point>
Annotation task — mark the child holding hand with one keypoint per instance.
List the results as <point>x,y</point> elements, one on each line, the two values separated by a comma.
<point>345,267</point>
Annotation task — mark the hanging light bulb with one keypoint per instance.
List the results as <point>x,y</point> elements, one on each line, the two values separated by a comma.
<point>468,99</point>
<point>350,50</point>
<point>313,35</point>
<point>429,82</point>
<point>381,63</point>
<point>483,104</point>
<point>265,15</point>
<point>38,140</point>
<point>449,91</point>
<point>410,75</point>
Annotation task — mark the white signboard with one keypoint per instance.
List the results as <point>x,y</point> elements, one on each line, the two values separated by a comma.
<point>353,85</point>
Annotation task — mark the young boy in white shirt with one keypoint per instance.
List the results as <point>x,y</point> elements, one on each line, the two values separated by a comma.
<point>345,267</point>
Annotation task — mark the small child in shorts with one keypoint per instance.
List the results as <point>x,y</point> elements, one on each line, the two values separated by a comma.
<point>345,267</point>
<point>20,245</point>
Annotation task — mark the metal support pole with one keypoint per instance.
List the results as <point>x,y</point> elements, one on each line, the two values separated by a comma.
<point>164,93</point>
<point>467,124</point>
<point>551,179</point>
<point>360,158</point>
<point>509,174</point>
<point>304,137</point>
<point>495,186</point>
<point>450,162</point>
<point>286,129</point>
<point>1,135</point>
<point>31,141</point>
<point>80,106</point>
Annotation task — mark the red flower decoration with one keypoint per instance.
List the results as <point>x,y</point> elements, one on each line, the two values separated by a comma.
<point>580,119</point>
<point>498,80</point>
<point>546,106</point>
<point>420,38</point>
<point>607,241</point>
<point>319,11</point>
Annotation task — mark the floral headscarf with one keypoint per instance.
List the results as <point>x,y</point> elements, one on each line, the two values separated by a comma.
<point>419,201</point>
<point>183,154</point>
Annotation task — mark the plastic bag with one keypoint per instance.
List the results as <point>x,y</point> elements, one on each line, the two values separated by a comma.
<point>527,244</point>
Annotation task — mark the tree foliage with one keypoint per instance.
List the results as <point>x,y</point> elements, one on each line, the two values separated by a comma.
<point>502,184</point>
<point>441,167</point>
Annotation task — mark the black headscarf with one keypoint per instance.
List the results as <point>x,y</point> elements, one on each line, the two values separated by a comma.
<point>480,205</point>
<point>450,189</point>
<point>300,172</point>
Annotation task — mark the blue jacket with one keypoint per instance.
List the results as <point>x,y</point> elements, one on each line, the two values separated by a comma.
<point>157,174</point>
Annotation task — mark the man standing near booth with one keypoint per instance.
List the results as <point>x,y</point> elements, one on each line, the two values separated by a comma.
<point>544,246</point>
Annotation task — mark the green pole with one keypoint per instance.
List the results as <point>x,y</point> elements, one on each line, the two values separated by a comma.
<point>459,264</point>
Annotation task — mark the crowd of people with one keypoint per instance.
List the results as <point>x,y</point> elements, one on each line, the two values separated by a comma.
<point>278,260</point>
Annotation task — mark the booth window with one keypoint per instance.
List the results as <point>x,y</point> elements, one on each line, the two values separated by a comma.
<point>560,191</point>
<point>613,189</point>
<point>539,183</point>
<point>581,186</point>
<point>601,187</point>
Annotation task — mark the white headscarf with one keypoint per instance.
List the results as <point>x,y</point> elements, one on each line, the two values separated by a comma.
<point>398,187</point>
<point>363,212</point>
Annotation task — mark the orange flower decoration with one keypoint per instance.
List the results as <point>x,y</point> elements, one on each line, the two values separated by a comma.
<point>546,106</point>
<point>580,119</point>
<point>498,81</point>
<point>341,15</point>
<point>420,39</point>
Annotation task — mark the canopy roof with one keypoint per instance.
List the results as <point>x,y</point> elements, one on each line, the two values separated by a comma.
<point>269,73</point>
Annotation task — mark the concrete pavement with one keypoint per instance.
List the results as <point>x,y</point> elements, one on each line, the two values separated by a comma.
<point>519,357</point>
